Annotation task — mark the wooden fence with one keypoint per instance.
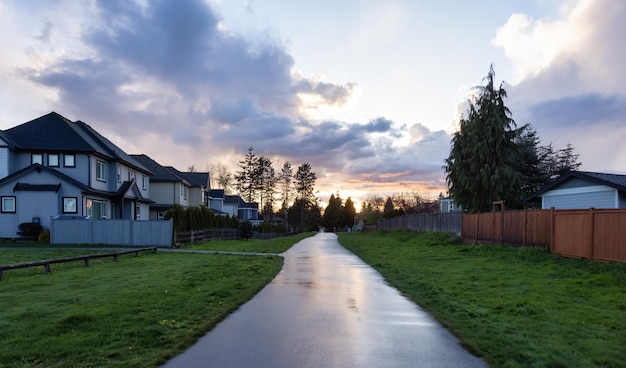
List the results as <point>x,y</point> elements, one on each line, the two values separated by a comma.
<point>523,227</point>
<point>198,236</point>
<point>593,233</point>
<point>85,258</point>
<point>444,222</point>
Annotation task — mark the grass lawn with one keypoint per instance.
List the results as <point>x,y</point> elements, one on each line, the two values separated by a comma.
<point>276,245</point>
<point>136,312</point>
<point>514,307</point>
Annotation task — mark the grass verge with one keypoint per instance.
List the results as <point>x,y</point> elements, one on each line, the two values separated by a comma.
<point>276,245</point>
<point>514,307</point>
<point>136,312</point>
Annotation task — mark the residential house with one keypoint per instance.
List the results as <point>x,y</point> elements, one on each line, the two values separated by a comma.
<point>52,166</point>
<point>581,189</point>
<point>234,205</point>
<point>215,200</point>
<point>168,188</point>
<point>448,205</point>
<point>199,184</point>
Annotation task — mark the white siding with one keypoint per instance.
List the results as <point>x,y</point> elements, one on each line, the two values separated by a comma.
<point>44,205</point>
<point>4,162</point>
<point>578,198</point>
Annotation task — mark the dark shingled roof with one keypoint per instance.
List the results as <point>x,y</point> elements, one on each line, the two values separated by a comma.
<point>55,133</point>
<point>195,178</point>
<point>612,180</point>
<point>160,173</point>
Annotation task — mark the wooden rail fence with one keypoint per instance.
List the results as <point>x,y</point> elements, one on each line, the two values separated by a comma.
<point>85,258</point>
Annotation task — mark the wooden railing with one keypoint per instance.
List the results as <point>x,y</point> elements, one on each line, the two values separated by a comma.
<point>85,258</point>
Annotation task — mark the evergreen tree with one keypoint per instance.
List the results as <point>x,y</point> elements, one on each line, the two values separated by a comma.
<point>349,213</point>
<point>285,181</point>
<point>481,168</point>
<point>246,178</point>
<point>332,218</point>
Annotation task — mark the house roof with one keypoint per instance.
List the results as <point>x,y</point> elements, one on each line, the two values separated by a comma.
<point>53,132</point>
<point>611,180</point>
<point>39,168</point>
<point>216,193</point>
<point>159,173</point>
<point>195,178</point>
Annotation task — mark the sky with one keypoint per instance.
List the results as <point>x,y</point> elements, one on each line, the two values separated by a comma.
<point>368,92</point>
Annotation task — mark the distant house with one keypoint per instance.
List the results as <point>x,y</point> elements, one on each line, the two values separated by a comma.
<point>215,201</point>
<point>580,189</point>
<point>448,205</point>
<point>167,187</point>
<point>199,185</point>
<point>52,166</point>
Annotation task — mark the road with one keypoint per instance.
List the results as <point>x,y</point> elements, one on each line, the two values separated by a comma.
<point>327,308</point>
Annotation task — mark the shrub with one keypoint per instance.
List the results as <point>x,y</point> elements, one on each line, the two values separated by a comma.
<point>44,237</point>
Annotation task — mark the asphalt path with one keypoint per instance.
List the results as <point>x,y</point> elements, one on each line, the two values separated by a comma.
<point>327,308</point>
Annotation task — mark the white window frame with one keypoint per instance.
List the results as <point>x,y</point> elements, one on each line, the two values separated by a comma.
<point>36,158</point>
<point>9,205</point>
<point>53,159</point>
<point>144,182</point>
<point>69,160</point>
<point>131,175</point>
<point>101,170</point>
<point>119,173</point>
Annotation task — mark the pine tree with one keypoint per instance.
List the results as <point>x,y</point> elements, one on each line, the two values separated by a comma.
<point>480,168</point>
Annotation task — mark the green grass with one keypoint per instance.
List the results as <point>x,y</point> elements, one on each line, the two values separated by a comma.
<point>136,312</point>
<point>276,245</point>
<point>514,307</point>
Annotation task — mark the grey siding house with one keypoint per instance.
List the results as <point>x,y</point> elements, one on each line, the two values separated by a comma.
<point>581,189</point>
<point>52,166</point>
<point>167,187</point>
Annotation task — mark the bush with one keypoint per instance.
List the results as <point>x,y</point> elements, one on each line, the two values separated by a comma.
<point>44,237</point>
<point>245,230</point>
<point>30,229</point>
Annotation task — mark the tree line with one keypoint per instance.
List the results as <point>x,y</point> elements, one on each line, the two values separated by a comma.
<point>279,191</point>
<point>491,159</point>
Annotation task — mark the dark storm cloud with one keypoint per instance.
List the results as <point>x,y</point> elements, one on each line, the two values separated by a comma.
<point>170,70</point>
<point>583,109</point>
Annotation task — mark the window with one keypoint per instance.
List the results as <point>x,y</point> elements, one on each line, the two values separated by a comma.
<point>138,213</point>
<point>69,205</point>
<point>8,204</point>
<point>36,158</point>
<point>185,192</point>
<point>144,182</point>
<point>131,175</point>
<point>69,161</point>
<point>119,174</point>
<point>101,171</point>
<point>160,215</point>
<point>53,160</point>
<point>96,209</point>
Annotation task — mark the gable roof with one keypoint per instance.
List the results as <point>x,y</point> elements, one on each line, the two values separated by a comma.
<point>160,173</point>
<point>39,168</point>
<point>217,193</point>
<point>195,178</point>
<point>53,132</point>
<point>611,180</point>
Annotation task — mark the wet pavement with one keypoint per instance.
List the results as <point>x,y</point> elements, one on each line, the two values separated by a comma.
<point>327,308</point>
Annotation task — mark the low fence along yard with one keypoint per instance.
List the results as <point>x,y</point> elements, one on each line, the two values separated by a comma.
<point>112,232</point>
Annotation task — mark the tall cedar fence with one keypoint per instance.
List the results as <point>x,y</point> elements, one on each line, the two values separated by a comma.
<point>590,233</point>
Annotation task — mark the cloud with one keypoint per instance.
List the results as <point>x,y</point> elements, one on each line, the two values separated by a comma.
<point>571,80</point>
<point>164,77</point>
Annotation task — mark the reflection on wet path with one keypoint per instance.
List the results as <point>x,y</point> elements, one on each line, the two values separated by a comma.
<point>327,308</point>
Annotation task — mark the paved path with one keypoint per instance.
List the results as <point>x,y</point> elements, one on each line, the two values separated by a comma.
<point>327,308</point>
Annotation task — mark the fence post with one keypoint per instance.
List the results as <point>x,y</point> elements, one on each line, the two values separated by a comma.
<point>477,227</point>
<point>591,232</point>
<point>525,227</point>
<point>552,228</point>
